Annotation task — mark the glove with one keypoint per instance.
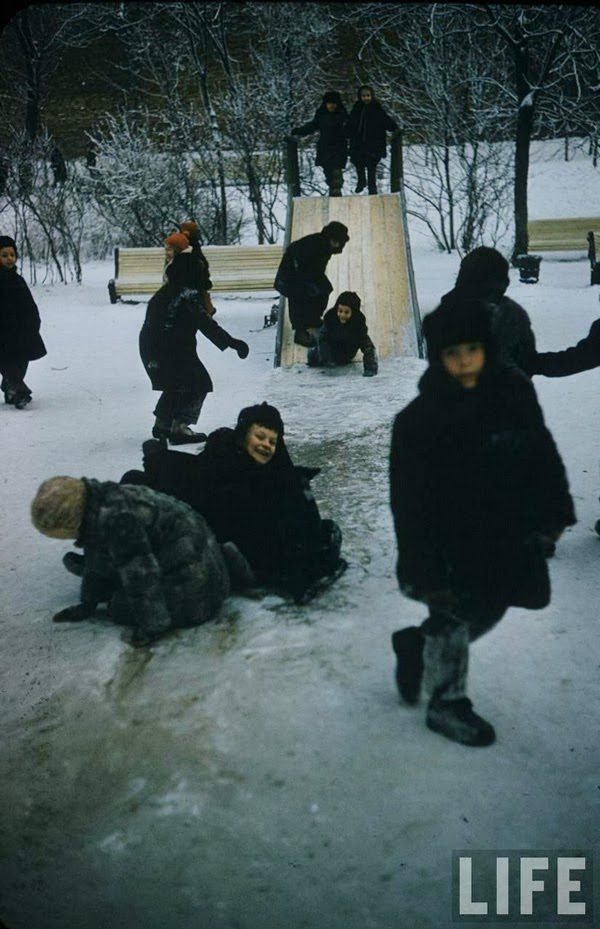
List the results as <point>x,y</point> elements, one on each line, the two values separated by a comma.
<point>242,348</point>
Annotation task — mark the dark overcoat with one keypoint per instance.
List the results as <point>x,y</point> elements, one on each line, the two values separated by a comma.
<point>267,510</point>
<point>20,338</point>
<point>150,557</point>
<point>366,130</point>
<point>475,475</point>
<point>332,145</point>
<point>168,338</point>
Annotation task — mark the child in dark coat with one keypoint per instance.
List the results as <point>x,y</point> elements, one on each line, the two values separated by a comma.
<point>476,479</point>
<point>332,146</point>
<point>168,348</point>
<point>301,278</point>
<point>343,333</point>
<point>20,339</point>
<point>191,231</point>
<point>366,129</point>
<point>245,485</point>
<point>150,557</point>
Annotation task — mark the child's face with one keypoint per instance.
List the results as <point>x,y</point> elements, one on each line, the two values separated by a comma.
<point>8,258</point>
<point>366,96</point>
<point>331,107</point>
<point>260,443</point>
<point>169,253</point>
<point>464,362</point>
<point>344,313</point>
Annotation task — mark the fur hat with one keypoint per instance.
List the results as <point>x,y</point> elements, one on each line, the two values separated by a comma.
<point>483,273</point>
<point>457,321</point>
<point>57,508</point>
<point>190,229</point>
<point>332,96</point>
<point>349,298</point>
<point>336,231</point>
<point>261,413</point>
<point>178,241</point>
<point>7,242</point>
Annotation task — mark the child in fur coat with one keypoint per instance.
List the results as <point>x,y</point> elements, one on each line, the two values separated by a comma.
<point>476,485</point>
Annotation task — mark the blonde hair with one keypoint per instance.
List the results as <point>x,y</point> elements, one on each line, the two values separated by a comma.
<point>58,505</point>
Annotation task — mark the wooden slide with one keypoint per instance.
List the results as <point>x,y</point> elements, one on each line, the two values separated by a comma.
<point>375,263</point>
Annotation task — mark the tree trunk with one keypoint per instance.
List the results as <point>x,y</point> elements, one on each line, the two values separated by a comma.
<point>522,147</point>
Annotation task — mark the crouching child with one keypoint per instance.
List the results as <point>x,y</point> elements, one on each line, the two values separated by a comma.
<point>151,558</point>
<point>343,333</point>
<point>477,484</point>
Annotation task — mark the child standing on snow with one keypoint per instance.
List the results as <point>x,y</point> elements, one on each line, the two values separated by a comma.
<point>475,479</point>
<point>20,339</point>
<point>343,333</point>
<point>175,314</point>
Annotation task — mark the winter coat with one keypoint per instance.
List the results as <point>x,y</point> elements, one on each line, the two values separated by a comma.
<point>267,510</point>
<point>332,145</point>
<point>343,340</point>
<point>366,130</point>
<point>475,478</point>
<point>150,557</point>
<point>581,357</point>
<point>168,339</point>
<point>301,273</point>
<point>20,338</point>
<point>511,326</point>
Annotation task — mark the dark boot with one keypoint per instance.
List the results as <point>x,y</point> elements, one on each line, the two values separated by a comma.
<point>408,647</point>
<point>457,720</point>
<point>241,574</point>
<point>160,429</point>
<point>302,337</point>
<point>181,434</point>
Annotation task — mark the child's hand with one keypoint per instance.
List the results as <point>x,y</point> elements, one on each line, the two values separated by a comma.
<point>241,347</point>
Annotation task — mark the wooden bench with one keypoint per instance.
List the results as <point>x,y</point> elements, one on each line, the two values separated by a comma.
<point>561,235</point>
<point>232,268</point>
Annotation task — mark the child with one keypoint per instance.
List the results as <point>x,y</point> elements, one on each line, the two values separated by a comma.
<point>301,278</point>
<point>366,129</point>
<point>20,339</point>
<point>150,557</point>
<point>475,479</point>
<point>168,348</point>
<point>332,147</point>
<point>343,333</point>
<point>245,485</point>
<point>191,231</point>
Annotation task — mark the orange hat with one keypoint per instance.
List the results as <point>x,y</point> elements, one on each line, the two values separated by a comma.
<point>189,226</point>
<point>178,241</point>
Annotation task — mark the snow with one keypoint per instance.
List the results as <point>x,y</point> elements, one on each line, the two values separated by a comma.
<point>258,772</point>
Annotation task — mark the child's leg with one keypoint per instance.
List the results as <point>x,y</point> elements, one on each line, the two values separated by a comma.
<point>372,175</point>
<point>13,384</point>
<point>187,411</point>
<point>445,667</point>
<point>361,180</point>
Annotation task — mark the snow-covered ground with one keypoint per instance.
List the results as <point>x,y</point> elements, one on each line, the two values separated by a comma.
<point>259,772</point>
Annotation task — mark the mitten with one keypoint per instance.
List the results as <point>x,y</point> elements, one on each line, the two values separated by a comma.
<point>242,348</point>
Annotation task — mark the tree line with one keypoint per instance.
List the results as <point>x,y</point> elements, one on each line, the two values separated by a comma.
<point>199,96</point>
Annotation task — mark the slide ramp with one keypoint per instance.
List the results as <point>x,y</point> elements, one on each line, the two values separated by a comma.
<point>375,263</point>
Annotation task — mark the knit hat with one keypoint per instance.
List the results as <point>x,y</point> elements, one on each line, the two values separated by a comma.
<point>349,298</point>
<point>178,241</point>
<point>482,273</point>
<point>57,508</point>
<point>263,415</point>
<point>458,321</point>
<point>332,96</point>
<point>7,242</point>
<point>336,231</point>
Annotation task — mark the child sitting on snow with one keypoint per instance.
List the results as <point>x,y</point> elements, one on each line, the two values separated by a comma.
<point>246,486</point>
<point>20,339</point>
<point>475,479</point>
<point>151,558</point>
<point>344,331</point>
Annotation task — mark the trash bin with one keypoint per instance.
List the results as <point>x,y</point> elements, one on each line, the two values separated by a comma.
<point>529,268</point>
